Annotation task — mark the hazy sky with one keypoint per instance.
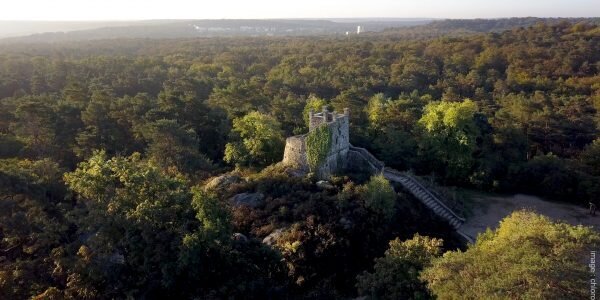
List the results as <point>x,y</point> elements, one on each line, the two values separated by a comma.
<point>218,9</point>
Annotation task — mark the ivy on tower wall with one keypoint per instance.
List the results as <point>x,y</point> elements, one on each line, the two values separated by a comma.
<point>318,144</point>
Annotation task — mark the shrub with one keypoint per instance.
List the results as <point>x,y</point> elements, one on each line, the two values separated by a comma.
<point>379,196</point>
<point>396,275</point>
<point>527,257</point>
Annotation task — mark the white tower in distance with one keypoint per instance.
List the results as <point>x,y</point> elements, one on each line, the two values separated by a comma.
<point>358,29</point>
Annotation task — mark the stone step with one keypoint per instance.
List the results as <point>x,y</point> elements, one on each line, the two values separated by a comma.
<point>428,201</point>
<point>423,195</point>
<point>431,201</point>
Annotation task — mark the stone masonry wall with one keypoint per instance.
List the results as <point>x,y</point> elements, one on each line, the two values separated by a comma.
<point>340,143</point>
<point>295,152</point>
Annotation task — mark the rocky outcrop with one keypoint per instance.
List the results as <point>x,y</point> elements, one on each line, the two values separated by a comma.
<point>223,181</point>
<point>252,200</point>
<point>272,238</point>
<point>325,185</point>
<point>239,237</point>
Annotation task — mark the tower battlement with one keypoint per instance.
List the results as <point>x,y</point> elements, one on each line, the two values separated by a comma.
<point>325,117</point>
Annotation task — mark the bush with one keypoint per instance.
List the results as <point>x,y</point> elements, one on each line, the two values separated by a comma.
<point>396,275</point>
<point>527,257</point>
<point>380,197</point>
<point>546,175</point>
<point>10,146</point>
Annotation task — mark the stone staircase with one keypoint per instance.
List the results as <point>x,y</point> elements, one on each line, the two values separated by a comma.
<point>428,199</point>
<point>425,196</point>
<point>413,186</point>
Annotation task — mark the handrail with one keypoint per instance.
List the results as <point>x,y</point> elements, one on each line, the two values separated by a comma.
<point>366,159</point>
<point>465,236</point>
<point>369,156</point>
<point>426,191</point>
<point>374,163</point>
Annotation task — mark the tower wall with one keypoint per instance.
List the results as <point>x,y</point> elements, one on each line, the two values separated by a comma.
<point>340,143</point>
<point>295,152</point>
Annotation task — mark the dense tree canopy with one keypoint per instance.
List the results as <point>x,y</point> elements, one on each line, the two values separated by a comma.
<point>105,148</point>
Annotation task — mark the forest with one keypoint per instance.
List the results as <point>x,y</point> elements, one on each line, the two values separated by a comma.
<point>122,163</point>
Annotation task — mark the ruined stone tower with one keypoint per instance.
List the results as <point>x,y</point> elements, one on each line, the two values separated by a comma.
<point>295,154</point>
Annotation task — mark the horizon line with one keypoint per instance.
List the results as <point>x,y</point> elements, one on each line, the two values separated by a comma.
<point>299,18</point>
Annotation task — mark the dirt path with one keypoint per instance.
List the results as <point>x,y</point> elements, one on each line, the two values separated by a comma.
<point>489,210</point>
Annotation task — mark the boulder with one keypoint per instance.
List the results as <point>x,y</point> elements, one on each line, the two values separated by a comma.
<point>239,237</point>
<point>252,200</point>
<point>325,185</point>
<point>271,239</point>
<point>222,181</point>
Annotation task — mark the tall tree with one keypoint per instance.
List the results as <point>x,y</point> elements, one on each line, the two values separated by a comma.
<point>527,257</point>
<point>450,136</point>
<point>136,219</point>
<point>170,144</point>
<point>257,140</point>
<point>396,275</point>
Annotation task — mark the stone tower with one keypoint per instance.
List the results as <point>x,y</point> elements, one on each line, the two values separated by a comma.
<point>338,125</point>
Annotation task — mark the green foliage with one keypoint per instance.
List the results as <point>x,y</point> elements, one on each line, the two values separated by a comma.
<point>172,145</point>
<point>32,224</point>
<point>313,103</point>
<point>238,98</point>
<point>131,189</point>
<point>590,157</point>
<point>211,213</point>
<point>9,146</point>
<point>287,111</point>
<point>396,275</point>
<point>450,134</point>
<point>134,210</point>
<point>258,140</point>
<point>380,197</point>
<point>35,125</point>
<point>391,124</point>
<point>353,99</point>
<point>102,130</point>
<point>527,257</point>
<point>546,175</point>
<point>151,218</point>
<point>375,108</point>
<point>318,145</point>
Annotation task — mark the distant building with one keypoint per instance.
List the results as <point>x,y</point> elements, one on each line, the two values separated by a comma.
<point>358,29</point>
